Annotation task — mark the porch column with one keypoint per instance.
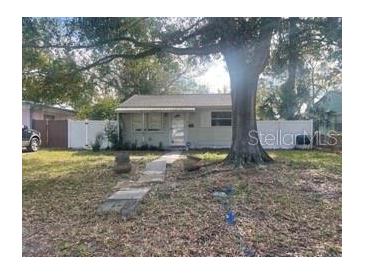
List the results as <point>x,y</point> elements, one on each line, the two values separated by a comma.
<point>143,127</point>
<point>118,126</point>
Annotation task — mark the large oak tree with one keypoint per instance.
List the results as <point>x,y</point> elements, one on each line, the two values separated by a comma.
<point>245,44</point>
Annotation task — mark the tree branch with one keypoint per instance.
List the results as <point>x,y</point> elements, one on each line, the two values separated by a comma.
<point>95,45</point>
<point>109,58</point>
<point>262,50</point>
<point>154,50</point>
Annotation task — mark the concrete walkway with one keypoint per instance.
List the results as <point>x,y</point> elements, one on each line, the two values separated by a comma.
<point>126,200</point>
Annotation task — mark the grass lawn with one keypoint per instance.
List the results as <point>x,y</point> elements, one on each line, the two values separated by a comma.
<point>289,208</point>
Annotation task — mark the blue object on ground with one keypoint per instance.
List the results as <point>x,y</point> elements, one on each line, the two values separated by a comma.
<point>230,217</point>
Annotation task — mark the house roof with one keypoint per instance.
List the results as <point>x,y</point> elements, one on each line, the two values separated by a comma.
<point>177,101</point>
<point>55,107</point>
<point>331,102</point>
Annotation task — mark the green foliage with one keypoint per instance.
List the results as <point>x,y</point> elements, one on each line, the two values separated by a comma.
<point>111,132</point>
<point>55,75</point>
<point>305,65</point>
<point>305,59</point>
<point>150,75</point>
<point>126,146</point>
<point>51,80</point>
<point>134,146</point>
<point>98,141</point>
<point>50,76</point>
<point>103,109</point>
<point>160,146</point>
<point>144,147</point>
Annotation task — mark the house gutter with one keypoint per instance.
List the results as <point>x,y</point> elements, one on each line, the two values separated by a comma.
<point>163,109</point>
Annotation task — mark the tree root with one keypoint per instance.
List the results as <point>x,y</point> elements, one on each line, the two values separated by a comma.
<point>249,158</point>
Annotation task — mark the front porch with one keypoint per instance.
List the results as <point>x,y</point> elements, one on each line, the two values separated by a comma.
<point>159,127</point>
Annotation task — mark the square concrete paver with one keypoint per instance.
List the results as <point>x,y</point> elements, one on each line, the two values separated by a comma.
<point>156,166</point>
<point>126,200</point>
<point>129,194</point>
<point>152,178</point>
<point>124,207</point>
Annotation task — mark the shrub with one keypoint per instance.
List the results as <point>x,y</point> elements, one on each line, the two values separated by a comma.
<point>134,146</point>
<point>160,146</point>
<point>126,146</point>
<point>111,132</point>
<point>98,141</point>
<point>144,147</point>
<point>152,147</point>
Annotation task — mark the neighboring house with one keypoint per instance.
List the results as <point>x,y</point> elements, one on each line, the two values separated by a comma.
<point>35,111</point>
<point>329,113</point>
<point>195,120</point>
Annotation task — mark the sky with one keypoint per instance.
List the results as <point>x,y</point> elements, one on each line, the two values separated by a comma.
<point>216,77</point>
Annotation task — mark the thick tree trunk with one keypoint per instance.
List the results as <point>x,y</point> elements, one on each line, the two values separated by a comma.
<point>246,147</point>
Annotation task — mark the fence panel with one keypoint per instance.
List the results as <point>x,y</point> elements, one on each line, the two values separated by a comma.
<point>82,133</point>
<point>290,129</point>
<point>57,133</point>
<point>53,132</point>
<point>273,134</point>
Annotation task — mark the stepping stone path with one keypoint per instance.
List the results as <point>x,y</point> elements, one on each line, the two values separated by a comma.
<point>126,200</point>
<point>154,172</point>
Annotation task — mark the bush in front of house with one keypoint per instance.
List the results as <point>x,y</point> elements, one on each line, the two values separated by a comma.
<point>143,147</point>
<point>98,141</point>
<point>111,132</point>
<point>134,146</point>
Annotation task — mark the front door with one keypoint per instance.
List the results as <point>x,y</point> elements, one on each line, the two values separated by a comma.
<point>177,129</point>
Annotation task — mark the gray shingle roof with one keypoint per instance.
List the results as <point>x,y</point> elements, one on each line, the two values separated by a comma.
<point>180,100</point>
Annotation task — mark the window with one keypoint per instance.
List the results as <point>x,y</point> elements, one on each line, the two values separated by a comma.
<point>137,122</point>
<point>221,118</point>
<point>154,121</point>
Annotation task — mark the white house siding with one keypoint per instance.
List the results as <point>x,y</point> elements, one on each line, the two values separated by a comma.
<point>210,137</point>
<point>200,134</point>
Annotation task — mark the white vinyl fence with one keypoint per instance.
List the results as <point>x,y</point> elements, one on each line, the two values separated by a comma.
<point>273,134</point>
<point>279,134</point>
<point>82,133</point>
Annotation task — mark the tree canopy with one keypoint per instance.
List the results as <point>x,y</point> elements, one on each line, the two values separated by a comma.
<point>306,63</point>
<point>59,74</point>
<point>279,47</point>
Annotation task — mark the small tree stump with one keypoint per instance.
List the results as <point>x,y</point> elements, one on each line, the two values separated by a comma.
<point>192,163</point>
<point>122,163</point>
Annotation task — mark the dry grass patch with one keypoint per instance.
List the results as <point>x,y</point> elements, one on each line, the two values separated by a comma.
<point>289,208</point>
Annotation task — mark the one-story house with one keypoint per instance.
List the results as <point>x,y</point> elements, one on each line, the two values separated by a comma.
<point>193,120</point>
<point>35,111</point>
<point>329,110</point>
